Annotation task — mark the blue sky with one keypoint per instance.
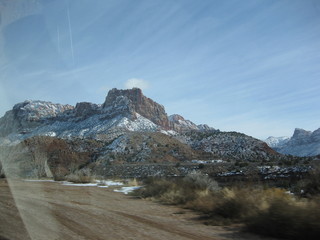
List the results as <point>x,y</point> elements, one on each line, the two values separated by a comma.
<point>249,66</point>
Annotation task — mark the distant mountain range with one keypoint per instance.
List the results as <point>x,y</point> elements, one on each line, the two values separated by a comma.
<point>125,110</point>
<point>127,128</point>
<point>302,143</point>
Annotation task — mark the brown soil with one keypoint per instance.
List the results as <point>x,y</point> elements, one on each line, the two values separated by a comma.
<point>49,210</point>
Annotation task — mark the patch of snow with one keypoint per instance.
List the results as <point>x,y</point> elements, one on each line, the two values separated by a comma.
<point>50,134</point>
<point>38,180</point>
<point>169,132</point>
<point>108,183</point>
<point>207,161</point>
<point>276,141</point>
<point>127,190</point>
<point>80,184</point>
<point>140,124</point>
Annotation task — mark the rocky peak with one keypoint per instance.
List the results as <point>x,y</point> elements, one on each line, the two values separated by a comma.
<point>179,124</point>
<point>30,114</point>
<point>300,136</point>
<point>302,143</point>
<point>316,135</point>
<point>205,127</point>
<point>300,133</point>
<point>134,95</point>
<point>38,110</point>
<point>132,101</point>
<point>176,118</point>
<point>84,109</point>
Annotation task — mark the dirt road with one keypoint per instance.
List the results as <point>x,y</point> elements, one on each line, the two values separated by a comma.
<point>49,210</point>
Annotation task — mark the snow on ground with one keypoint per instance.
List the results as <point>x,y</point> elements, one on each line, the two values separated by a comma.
<point>38,180</point>
<point>127,190</point>
<point>98,183</point>
<point>80,184</point>
<point>108,183</point>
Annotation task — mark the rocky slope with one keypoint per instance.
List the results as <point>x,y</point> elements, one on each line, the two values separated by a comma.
<point>302,143</point>
<point>230,145</point>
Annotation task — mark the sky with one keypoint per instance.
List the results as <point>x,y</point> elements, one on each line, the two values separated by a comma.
<point>248,66</point>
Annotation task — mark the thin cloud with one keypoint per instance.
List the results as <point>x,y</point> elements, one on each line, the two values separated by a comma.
<point>136,83</point>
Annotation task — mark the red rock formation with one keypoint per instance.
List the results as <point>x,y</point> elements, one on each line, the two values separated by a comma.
<point>137,103</point>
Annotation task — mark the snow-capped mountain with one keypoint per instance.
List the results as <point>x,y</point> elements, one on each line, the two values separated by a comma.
<point>276,141</point>
<point>125,118</point>
<point>302,143</point>
<point>122,109</point>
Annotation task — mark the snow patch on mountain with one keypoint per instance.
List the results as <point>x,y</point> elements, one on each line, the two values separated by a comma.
<point>139,124</point>
<point>276,141</point>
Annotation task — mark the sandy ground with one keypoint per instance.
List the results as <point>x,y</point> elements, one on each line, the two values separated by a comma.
<point>49,210</point>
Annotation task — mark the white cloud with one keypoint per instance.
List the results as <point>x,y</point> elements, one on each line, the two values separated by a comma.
<point>136,82</point>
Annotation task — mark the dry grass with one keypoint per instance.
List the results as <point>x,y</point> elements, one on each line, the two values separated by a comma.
<point>289,220</point>
<point>80,176</point>
<point>270,211</point>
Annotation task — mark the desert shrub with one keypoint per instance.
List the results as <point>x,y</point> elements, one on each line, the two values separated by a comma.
<point>188,189</point>
<point>201,166</point>
<point>310,186</point>
<point>80,176</point>
<point>287,220</point>
<point>179,190</point>
<point>238,203</point>
<point>200,181</point>
<point>154,187</point>
<point>57,177</point>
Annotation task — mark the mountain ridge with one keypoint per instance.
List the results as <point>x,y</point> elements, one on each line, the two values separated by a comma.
<point>128,128</point>
<point>126,109</point>
<point>302,143</point>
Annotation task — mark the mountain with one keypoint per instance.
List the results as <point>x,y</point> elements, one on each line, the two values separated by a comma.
<point>128,128</point>
<point>302,143</point>
<point>122,109</point>
<point>275,142</point>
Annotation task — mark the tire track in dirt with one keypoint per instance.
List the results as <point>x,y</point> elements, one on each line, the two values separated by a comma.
<point>163,227</point>
<point>76,227</point>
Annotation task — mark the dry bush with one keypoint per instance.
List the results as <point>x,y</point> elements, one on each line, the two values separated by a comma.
<point>270,211</point>
<point>238,204</point>
<point>310,186</point>
<point>289,220</point>
<point>154,188</point>
<point>133,182</point>
<point>178,191</point>
<point>200,181</point>
<point>80,176</point>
